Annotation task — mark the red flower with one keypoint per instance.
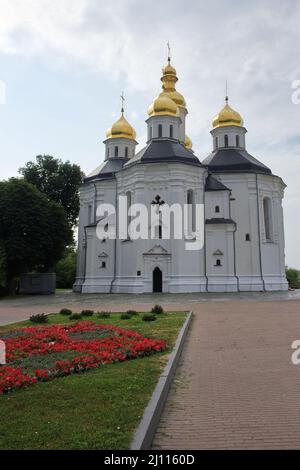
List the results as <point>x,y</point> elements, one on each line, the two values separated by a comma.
<point>116,345</point>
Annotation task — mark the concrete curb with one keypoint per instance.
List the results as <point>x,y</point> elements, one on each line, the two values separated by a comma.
<point>144,434</point>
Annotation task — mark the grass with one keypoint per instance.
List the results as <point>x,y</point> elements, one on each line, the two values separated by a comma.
<point>99,409</point>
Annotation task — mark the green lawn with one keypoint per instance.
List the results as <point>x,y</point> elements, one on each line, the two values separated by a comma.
<point>99,409</point>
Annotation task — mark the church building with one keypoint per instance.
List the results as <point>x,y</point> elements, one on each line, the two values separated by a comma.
<point>242,199</point>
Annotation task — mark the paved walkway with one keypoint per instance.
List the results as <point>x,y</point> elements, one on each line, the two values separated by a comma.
<point>20,308</point>
<point>236,387</point>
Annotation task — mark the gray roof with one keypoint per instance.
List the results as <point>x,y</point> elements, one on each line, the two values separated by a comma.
<point>212,184</point>
<point>219,220</point>
<point>234,161</point>
<point>165,150</point>
<point>107,169</point>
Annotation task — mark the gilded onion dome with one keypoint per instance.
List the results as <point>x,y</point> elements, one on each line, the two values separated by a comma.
<point>163,106</point>
<point>227,117</point>
<point>169,79</point>
<point>169,100</point>
<point>121,129</point>
<point>187,142</point>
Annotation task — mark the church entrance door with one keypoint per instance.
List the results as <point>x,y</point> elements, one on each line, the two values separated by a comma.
<point>157,280</point>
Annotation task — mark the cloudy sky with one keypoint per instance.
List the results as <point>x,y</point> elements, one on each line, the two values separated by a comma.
<point>64,64</point>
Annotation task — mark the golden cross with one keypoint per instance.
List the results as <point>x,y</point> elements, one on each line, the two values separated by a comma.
<point>122,99</point>
<point>169,51</point>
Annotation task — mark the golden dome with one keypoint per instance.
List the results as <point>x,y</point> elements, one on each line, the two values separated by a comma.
<point>227,117</point>
<point>163,106</point>
<point>121,129</point>
<point>177,98</point>
<point>169,79</point>
<point>187,142</point>
<point>169,69</point>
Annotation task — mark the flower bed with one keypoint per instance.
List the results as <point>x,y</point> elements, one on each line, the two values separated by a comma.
<point>60,350</point>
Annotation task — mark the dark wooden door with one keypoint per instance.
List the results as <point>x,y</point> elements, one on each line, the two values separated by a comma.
<point>157,280</point>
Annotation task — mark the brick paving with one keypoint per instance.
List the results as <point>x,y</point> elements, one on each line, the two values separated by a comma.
<point>236,387</point>
<point>20,308</point>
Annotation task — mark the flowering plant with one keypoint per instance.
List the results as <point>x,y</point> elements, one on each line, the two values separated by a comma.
<point>41,353</point>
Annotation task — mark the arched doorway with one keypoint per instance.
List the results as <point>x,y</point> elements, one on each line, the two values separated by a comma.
<point>157,280</point>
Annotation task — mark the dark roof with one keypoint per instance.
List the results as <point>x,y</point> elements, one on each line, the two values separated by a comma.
<point>107,169</point>
<point>219,220</point>
<point>165,150</point>
<point>212,184</point>
<point>234,161</point>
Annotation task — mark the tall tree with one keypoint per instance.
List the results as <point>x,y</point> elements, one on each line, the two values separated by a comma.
<point>33,230</point>
<point>58,180</point>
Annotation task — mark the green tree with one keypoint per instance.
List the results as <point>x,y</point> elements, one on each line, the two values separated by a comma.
<point>58,180</point>
<point>33,230</point>
<point>2,270</point>
<point>293,277</point>
<point>66,269</point>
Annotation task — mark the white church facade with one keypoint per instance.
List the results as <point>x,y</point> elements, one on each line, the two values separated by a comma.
<point>243,235</point>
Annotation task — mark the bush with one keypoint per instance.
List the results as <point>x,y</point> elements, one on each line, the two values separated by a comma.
<point>3,291</point>
<point>148,317</point>
<point>125,316</point>
<point>66,269</point>
<point>39,318</point>
<point>132,312</point>
<point>157,309</point>
<point>65,311</point>
<point>293,278</point>
<point>87,313</point>
<point>75,316</point>
<point>103,314</point>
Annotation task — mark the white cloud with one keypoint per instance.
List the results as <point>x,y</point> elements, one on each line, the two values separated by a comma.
<point>253,44</point>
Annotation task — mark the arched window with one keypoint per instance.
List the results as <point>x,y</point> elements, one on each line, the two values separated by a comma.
<point>237,140</point>
<point>218,262</point>
<point>116,151</point>
<point>171,131</point>
<point>159,130</point>
<point>190,200</point>
<point>247,237</point>
<point>107,152</point>
<point>150,132</point>
<point>126,152</point>
<point>226,140</point>
<point>129,202</point>
<point>217,209</point>
<point>216,142</point>
<point>267,218</point>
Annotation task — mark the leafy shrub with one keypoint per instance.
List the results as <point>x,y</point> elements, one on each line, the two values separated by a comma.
<point>66,269</point>
<point>157,309</point>
<point>293,278</point>
<point>3,291</point>
<point>65,311</point>
<point>103,314</point>
<point>132,312</point>
<point>75,316</point>
<point>39,318</point>
<point>149,317</point>
<point>125,316</point>
<point>87,313</point>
